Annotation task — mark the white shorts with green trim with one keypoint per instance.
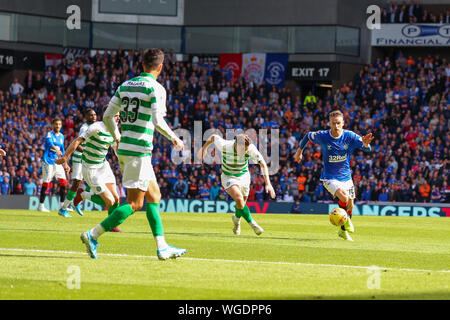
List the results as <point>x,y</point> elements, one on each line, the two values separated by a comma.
<point>243,182</point>
<point>77,173</point>
<point>137,172</point>
<point>333,185</point>
<point>98,177</point>
<point>50,171</point>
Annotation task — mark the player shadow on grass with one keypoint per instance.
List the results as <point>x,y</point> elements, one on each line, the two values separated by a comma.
<point>36,230</point>
<point>36,256</point>
<point>221,235</point>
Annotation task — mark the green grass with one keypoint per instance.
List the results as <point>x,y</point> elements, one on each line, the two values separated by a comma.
<point>298,257</point>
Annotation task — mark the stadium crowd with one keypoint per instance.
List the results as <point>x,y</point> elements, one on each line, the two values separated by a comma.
<point>412,12</point>
<point>403,101</point>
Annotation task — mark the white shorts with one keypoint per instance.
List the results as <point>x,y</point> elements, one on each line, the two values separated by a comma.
<point>243,182</point>
<point>77,171</point>
<point>97,178</point>
<point>50,171</point>
<point>333,185</point>
<point>137,172</point>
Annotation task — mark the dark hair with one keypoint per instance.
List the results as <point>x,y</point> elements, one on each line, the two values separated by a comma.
<point>88,110</point>
<point>56,119</point>
<point>153,58</point>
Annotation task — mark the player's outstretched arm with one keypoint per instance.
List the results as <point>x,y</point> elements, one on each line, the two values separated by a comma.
<point>163,128</point>
<point>201,153</point>
<point>2,152</point>
<point>109,120</point>
<point>367,139</point>
<point>265,173</point>
<point>298,156</point>
<point>70,150</point>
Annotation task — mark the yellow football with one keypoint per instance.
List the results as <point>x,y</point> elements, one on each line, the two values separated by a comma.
<point>338,217</point>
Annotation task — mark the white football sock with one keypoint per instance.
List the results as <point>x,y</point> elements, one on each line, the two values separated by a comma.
<point>161,243</point>
<point>66,204</point>
<point>97,232</point>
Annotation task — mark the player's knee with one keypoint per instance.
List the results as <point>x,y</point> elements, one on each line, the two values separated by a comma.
<point>342,195</point>
<point>240,203</point>
<point>154,197</point>
<point>109,202</point>
<point>350,205</point>
<point>136,205</point>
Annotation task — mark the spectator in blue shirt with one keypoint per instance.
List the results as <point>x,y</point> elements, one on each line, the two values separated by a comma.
<point>304,197</point>
<point>180,188</point>
<point>366,194</point>
<point>435,195</point>
<point>30,187</point>
<point>5,187</point>
<point>383,196</point>
<point>204,191</point>
<point>214,191</point>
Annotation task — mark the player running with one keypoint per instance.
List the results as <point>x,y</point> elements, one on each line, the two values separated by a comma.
<point>96,171</point>
<point>54,147</point>
<point>337,147</point>
<point>141,102</point>
<point>235,175</point>
<point>77,175</point>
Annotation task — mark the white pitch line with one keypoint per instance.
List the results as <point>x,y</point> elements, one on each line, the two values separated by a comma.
<point>230,261</point>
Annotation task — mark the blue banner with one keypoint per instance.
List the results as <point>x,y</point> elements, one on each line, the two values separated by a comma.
<point>275,72</point>
<point>22,202</point>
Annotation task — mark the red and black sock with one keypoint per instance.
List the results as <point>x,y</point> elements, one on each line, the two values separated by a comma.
<point>62,189</point>
<point>343,205</point>
<point>44,188</point>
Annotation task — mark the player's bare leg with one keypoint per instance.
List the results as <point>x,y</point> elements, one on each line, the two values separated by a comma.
<point>118,215</point>
<point>346,203</point>
<point>242,211</point>
<point>153,198</point>
<point>71,194</point>
<point>135,201</point>
<point>115,201</point>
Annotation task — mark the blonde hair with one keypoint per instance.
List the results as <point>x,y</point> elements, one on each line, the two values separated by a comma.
<point>336,113</point>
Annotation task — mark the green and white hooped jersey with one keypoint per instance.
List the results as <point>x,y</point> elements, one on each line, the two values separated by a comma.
<point>235,165</point>
<point>140,99</point>
<point>96,144</point>
<point>76,157</point>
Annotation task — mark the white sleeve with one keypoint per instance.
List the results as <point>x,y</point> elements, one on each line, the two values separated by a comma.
<point>87,131</point>
<point>108,117</point>
<point>159,106</point>
<point>219,142</point>
<point>83,129</point>
<point>254,153</point>
<point>159,111</point>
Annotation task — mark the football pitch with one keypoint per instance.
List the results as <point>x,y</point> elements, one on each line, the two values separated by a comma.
<point>297,257</point>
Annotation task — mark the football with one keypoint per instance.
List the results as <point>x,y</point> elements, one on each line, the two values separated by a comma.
<point>338,217</point>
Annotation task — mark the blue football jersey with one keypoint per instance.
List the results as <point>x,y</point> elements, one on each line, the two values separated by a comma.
<point>336,153</point>
<point>51,140</point>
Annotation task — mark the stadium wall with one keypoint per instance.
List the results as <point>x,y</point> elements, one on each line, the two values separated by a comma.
<point>49,8</point>
<point>21,202</point>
